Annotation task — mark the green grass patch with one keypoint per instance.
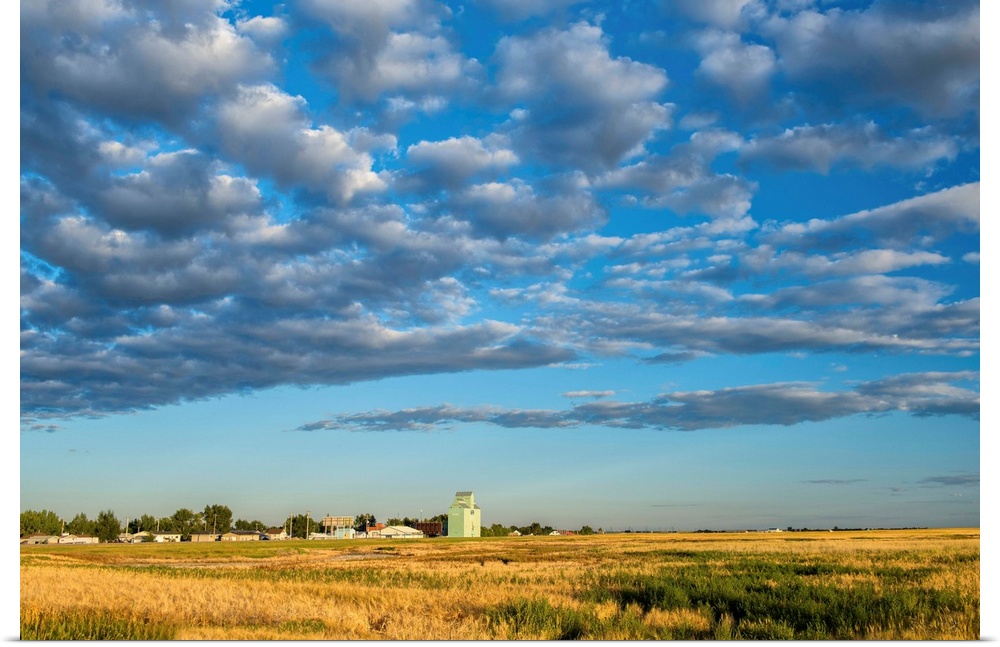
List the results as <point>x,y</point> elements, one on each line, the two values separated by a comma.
<point>85,624</point>
<point>761,600</point>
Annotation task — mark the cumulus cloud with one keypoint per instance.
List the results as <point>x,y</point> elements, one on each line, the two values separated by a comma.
<point>743,69</point>
<point>930,217</point>
<point>393,47</point>
<point>684,180</point>
<point>503,209</point>
<point>264,29</point>
<point>60,377</point>
<point>452,162</point>
<point>112,57</point>
<point>613,111</point>
<point>191,227</point>
<point>820,148</point>
<point>177,193</point>
<point>922,56</point>
<point>268,131</point>
<point>783,404</point>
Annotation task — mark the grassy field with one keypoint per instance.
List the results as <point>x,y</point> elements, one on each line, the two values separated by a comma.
<point>901,585</point>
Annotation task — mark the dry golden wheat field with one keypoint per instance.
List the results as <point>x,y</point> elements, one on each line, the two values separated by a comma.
<point>898,584</point>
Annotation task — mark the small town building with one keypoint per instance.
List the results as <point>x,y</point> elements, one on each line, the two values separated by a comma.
<point>345,533</point>
<point>76,539</point>
<point>372,532</point>
<point>401,532</point>
<point>464,516</point>
<point>276,533</point>
<point>241,535</point>
<point>39,538</point>
<point>166,537</point>
<point>204,536</point>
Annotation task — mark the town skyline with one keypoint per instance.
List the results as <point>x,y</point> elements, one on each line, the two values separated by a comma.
<point>692,265</point>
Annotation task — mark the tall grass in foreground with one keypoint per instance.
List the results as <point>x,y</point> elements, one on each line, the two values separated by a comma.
<point>84,624</point>
<point>915,585</point>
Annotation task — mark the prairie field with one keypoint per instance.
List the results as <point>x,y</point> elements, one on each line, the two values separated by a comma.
<point>872,585</point>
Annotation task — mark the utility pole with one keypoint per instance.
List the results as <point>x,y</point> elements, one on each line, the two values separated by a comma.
<point>307,524</point>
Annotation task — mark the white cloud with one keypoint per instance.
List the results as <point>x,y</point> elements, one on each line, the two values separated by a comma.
<point>126,63</point>
<point>451,162</point>
<point>820,148</point>
<point>919,220</point>
<point>268,30</point>
<point>582,108</point>
<point>745,70</point>
<point>923,56</point>
<point>787,403</point>
<point>267,130</point>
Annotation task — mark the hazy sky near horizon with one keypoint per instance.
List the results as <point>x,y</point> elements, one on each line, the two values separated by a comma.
<point>665,265</point>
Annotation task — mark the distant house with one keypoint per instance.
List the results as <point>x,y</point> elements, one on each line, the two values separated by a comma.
<point>372,532</point>
<point>241,535</point>
<point>204,536</point>
<point>276,533</point>
<point>345,533</point>
<point>464,516</point>
<point>135,537</point>
<point>75,539</point>
<point>401,532</point>
<point>39,538</point>
<point>166,537</point>
<point>514,533</point>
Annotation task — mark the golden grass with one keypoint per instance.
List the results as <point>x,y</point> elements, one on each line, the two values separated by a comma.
<point>445,589</point>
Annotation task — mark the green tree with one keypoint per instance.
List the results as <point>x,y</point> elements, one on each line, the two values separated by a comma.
<point>362,521</point>
<point>107,527</point>
<point>45,521</point>
<point>586,530</point>
<point>496,530</point>
<point>146,522</point>
<point>303,524</point>
<point>218,518</point>
<point>243,524</point>
<point>81,525</point>
<point>535,529</point>
<point>183,522</point>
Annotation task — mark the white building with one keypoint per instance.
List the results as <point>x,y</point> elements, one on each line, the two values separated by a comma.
<point>401,532</point>
<point>464,516</point>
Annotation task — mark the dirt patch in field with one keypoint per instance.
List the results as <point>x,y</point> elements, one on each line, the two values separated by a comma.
<point>296,561</point>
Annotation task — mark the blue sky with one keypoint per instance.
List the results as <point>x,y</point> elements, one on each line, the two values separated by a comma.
<point>635,265</point>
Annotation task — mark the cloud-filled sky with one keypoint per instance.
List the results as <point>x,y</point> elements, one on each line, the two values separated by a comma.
<point>706,264</point>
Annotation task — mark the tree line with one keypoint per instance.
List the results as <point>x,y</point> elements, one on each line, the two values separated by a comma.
<point>216,518</point>
<point>107,526</point>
